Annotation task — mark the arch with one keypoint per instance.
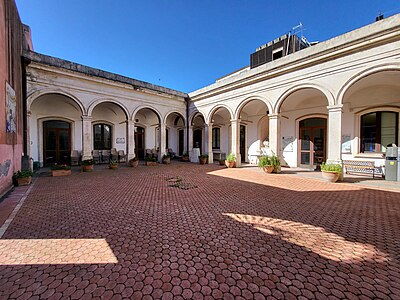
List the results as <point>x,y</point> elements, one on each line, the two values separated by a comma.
<point>194,115</point>
<point>35,95</point>
<point>94,103</point>
<point>172,112</point>
<point>328,94</point>
<point>215,108</point>
<point>152,108</point>
<point>360,75</point>
<point>242,104</point>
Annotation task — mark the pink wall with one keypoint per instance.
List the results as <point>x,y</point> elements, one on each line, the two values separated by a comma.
<point>11,37</point>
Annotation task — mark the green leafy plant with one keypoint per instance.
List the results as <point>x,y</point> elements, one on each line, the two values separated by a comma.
<point>275,161</point>
<point>134,159</point>
<point>87,162</point>
<point>60,167</point>
<point>167,155</point>
<point>336,168</point>
<point>23,174</point>
<point>203,156</point>
<point>265,161</point>
<point>185,154</point>
<point>231,157</point>
<point>150,158</point>
<point>113,162</point>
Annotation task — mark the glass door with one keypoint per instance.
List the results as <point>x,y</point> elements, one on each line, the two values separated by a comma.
<point>139,142</point>
<point>312,142</point>
<point>57,142</point>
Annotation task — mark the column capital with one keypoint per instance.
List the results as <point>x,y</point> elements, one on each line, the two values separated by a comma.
<point>209,124</point>
<point>130,122</point>
<point>86,118</point>
<point>274,116</point>
<point>335,108</point>
<point>235,120</point>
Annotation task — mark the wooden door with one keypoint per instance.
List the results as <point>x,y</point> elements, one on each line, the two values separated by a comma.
<point>139,142</point>
<point>56,142</point>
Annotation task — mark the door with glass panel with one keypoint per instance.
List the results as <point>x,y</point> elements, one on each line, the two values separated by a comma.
<point>312,142</point>
<point>139,142</point>
<point>56,142</point>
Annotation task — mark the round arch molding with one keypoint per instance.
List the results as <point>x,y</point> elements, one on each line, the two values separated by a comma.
<point>94,103</point>
<point>174,112</point>
<point>215,108</point>
<point>363,74</point>
<point>34,96</point>
<point>327,93</point>
<point>152,108</point>
<point>243,103</point>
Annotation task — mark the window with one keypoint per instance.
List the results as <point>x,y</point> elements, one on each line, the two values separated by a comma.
<point>102,137</point>
<point>215,138</point>
<point>378,130</point>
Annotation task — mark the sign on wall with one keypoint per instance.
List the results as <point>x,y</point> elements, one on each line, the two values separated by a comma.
<point>287,143</point>
<point>346,143</point>
<point>120,141</point>
<point>11,110</point>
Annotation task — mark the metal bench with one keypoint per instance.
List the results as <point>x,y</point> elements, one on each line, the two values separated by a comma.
<point>359,166</point>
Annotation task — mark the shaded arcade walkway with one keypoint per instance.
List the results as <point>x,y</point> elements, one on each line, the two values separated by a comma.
<point>188,231</point>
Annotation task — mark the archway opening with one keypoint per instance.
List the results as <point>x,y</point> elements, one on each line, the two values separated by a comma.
<point>373,104</point>
<point>254,129</point>
<point>303,104</point>
<point>175,135</point>
<point>63,133</point>
<point>221,132</point>
<point>147,133</point>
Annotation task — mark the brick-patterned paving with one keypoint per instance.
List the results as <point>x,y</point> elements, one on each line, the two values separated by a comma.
<point>186,231</point>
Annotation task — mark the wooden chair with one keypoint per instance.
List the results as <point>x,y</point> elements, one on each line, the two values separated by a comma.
<point>114,154</point>
<point>96,156</point>
<point>75,158</point>
<point>106,156</point>
<point>121,156</point>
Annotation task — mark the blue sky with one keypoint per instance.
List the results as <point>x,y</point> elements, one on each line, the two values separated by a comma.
<point>182,44</point>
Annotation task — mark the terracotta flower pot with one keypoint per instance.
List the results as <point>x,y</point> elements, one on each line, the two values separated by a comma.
<point>113,167</point>
<point>166,160</point>
<point>151,163</point>
<point>56,173</point>
<point>87,168</point>
<point>203,160</point>
<point>230,164</point>
<point>268,169</point>
<point>133,163</point>
<point>330,176</point>
<point>24,181</point>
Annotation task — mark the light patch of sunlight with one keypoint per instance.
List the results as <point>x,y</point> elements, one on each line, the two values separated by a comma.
<point>290,182</point>
<point>55,251</point>
<point>313,238</point>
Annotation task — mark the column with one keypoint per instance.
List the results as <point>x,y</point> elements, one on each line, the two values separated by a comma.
<point>190,141</point>
<point>87,137</point>
<point>162,141</point>
<point>235,145</point>
<point>334,139</point>
<point>208,142</point>
<point>130,143</point>
<point>28,134</point>
<point>275,133</point>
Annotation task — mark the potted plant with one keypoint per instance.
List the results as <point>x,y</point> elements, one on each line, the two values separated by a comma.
<point>203,159</point>
<point>331,172</point>
<point>113,164</point>
<point>266,164</point>
<point>134,162</point>
<point>150,161</point>
<point>230,161</point>
<point>166,159</point>
<point>276,162</point>
<point>23,177</point>
<point>87,165</point>
<point>185,156</point>
<point>60,170</point>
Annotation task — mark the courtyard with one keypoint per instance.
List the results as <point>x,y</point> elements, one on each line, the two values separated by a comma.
<point>185,231</point>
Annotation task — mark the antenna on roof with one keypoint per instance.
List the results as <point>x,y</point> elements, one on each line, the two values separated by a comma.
<point>379,17</point>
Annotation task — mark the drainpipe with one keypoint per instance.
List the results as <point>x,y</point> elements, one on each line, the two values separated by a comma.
<point>187,100</point>
<point>25,159</point>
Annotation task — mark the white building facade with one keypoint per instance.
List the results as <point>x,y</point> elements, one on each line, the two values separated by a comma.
<point>336,100</point>
<point>339,99</point>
